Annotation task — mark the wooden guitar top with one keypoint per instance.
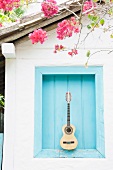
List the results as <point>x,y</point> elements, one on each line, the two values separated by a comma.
<point>68,141</point>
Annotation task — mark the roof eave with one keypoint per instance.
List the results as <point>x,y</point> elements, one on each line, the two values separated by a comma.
<point>17,31</point>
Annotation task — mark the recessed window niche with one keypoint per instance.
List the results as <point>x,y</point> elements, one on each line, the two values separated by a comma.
<point>86,111</point>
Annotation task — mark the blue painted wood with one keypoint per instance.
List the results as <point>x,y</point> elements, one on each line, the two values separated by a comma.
<point>88,112</point>
<point>84,85</point>
<point>49,153</point>
<point>1,147</point>
<point>60,107</point>
<point>54,114</point>
<point>74,86</point>
<point>68,70</point>
<point>48,115</point>
<point>78,153</point>
<point>100,145</point>
<point>38,113</point>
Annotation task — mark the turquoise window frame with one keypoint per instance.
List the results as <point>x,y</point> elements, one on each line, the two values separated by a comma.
<point>99,152</point>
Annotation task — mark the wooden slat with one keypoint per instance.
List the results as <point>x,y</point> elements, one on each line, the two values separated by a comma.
<point>2,76</point>
<point>88,112</point>
<point>48,112</point>
<point>1,82</point>
<point>2,71</point>
<point>60,107</point>
<point>2,89</point>
<point>75,106</point>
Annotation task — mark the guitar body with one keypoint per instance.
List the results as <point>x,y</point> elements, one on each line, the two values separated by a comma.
<point>68,141</point>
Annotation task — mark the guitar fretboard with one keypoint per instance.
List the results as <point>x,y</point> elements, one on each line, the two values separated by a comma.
<point>68,114</point>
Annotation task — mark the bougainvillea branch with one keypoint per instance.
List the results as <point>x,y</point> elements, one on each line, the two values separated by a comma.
<point>97,20</point>
<point>76,16</point>
<point>67,28</point>
<point>95,12</point>
<point>89,54</point>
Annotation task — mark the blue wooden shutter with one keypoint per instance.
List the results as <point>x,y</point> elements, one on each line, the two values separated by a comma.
<point>54,109</point>
<point>85,85</point>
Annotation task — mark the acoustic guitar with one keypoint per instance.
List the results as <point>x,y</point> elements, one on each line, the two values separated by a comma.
<point>68,141</point>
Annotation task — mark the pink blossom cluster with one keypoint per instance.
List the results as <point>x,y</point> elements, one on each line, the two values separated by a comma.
<point>61,48</point>
<point>49,8</point>
<point>66,28</point>
<point>73,52</point>
<point>58,48</point>
<point>0,24</point>
<point>38,36</point>
<point>8,5</point>
<point>88,5</point>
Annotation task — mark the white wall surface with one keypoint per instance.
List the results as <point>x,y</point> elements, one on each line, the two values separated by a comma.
<point>19,112</point>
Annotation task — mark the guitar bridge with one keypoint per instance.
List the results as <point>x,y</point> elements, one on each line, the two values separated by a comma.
<point>70,142</point>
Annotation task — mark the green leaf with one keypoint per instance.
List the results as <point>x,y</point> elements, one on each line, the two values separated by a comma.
<point>95,18</point>
<point>88,53</point>
<point>107,1</point>
<point>95,0</point>
<point>102,21</point>
<point>110,12</point>
<point>90,16</point>
<point>2,101</point>
<point>92,24</point>
<point>12,16</point>
<point>89,26</point>
<point>111,35</point>
<point>19,11</point>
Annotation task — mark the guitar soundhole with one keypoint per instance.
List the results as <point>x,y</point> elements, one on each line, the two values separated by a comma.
<point>68,130</point>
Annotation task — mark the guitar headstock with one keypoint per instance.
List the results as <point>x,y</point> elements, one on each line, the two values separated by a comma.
<point>68,97</point>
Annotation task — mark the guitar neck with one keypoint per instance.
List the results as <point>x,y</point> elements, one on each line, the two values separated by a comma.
<point>68,114</point>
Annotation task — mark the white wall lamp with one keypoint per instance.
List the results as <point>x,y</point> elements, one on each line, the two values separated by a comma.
<point>8,50</point>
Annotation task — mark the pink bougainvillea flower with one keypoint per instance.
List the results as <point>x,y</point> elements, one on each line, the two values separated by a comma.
<point>49,8</point>
<point>76,30</point>
<point>88,5</point>
<point>62,47</point>
<point>38,36</point>
<point>8,5</point>
<point>73,52</point>
<point>58,48</point>
<point>66,28</point>
<point>0,24</point>
<point>70,53</point>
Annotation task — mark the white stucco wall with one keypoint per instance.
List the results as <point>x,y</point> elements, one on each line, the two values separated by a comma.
<point>19,111</point>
